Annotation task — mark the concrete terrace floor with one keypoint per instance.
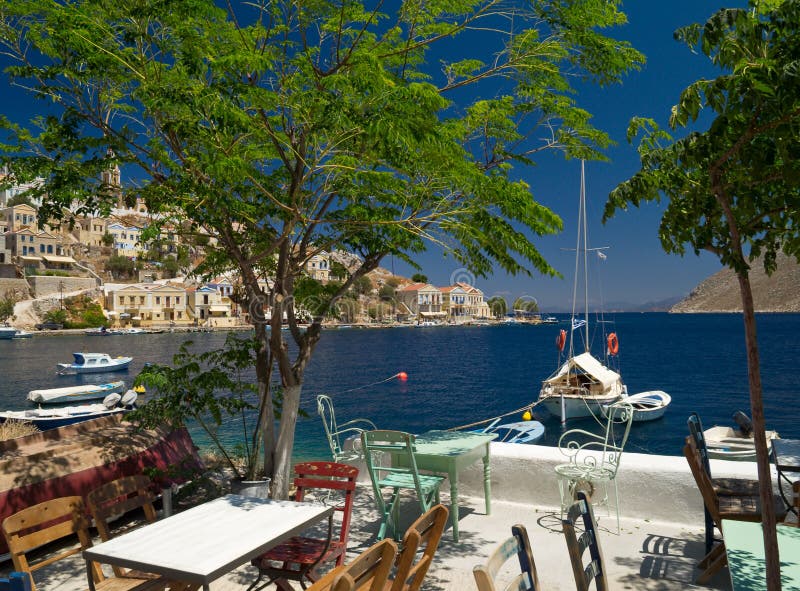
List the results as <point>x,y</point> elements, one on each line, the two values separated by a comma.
<point>646,555</point>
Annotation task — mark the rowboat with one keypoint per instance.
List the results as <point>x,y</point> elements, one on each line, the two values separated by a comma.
<point>727,443</point>
<point>648,406</point>
<point>517,432</point>
<point>94,363</point>
<point>75,459</point>
<point>51,418</point>
<point>75,393</point>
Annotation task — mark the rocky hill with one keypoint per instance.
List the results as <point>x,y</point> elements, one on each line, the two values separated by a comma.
<point>779,292</point>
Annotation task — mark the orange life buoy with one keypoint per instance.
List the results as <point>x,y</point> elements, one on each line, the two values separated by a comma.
<point>561,340</point>
<point>613,344</point>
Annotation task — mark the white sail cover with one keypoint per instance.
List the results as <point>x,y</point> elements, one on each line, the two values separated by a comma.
<point>590,366</point>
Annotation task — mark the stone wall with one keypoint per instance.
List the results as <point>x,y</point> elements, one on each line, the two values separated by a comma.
<point>45,285</point>
<point>17,286</point>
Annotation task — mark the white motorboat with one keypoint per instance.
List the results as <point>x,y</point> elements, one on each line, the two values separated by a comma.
<point>7,332</point>
<point>94,363</point>
<point>23,334</point>
<point>75,393</point>
<point>727,443</point>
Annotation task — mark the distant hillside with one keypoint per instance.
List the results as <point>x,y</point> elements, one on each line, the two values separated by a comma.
<point>720,292</point>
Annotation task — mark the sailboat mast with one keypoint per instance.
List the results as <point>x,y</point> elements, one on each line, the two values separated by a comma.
<point>585,257</point>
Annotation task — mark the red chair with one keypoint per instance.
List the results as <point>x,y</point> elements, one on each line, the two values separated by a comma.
<point>298,558</point>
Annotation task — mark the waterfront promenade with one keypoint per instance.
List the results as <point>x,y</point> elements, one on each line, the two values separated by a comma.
<point>660,542</point>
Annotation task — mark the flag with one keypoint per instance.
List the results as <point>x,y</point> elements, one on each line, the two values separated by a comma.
<point>576,323</point>
<point>601,256</point>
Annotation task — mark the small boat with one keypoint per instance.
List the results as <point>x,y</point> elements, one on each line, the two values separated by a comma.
<point>94,363</point>
<point>51,418</point>
<point>7,332</point>
<point>23,334</point>
<point>518,432</point>
<point>648,406</point>
<point>100,331</point>
<point>549,320</point>
<point>727,443</point>
<point>133,330</point>
<point>75,393</point>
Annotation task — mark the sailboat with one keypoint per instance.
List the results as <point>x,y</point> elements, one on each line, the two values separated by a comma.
<point>582,385</point>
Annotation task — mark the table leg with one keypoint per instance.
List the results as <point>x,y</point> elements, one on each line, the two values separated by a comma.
<point>453,476</point>
<point>487,482</point>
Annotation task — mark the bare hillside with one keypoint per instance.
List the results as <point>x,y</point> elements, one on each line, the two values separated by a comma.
<point>720,292</point>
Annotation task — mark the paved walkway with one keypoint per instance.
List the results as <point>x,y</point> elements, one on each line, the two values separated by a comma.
<point>644,556</point>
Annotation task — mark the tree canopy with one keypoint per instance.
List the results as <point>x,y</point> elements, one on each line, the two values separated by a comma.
<point>284,129</point>
<point>734,189</point>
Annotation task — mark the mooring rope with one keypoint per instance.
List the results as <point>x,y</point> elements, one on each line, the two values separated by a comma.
<point>528,407</point>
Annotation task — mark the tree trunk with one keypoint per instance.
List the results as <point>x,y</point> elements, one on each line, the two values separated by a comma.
<point>285,444</point>
<point>266,418</point>
<point>773,569</point>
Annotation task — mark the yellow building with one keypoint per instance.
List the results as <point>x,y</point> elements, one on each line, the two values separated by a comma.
<point>148,303</point>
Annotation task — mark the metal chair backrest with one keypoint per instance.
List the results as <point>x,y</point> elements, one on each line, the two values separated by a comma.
<point>427,530</point>
<point>577,545</point>
<point>334,432</point>
<point>44,523</point>
<point>329,476</point>
<point>575,443</point>
<point>518,545</point>
<point>370,568</point>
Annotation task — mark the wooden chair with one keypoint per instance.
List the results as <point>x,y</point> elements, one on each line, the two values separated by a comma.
<point>54,520</point>
<point>595,570</point>
<point>426,530</point>
<point>594,459</point>
<point>117,498</point>
<point>517,545</point>
<point>300,556</point>
<point>739,507</point>
<point>396,475</point>
<point>368,572</point>
<point>334,432</point>
<point>722,486</point>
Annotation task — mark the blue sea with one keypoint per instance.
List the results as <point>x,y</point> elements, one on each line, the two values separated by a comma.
<point>457,375</point>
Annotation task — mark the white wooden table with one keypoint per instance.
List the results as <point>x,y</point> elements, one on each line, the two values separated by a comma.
<point>202,544</point>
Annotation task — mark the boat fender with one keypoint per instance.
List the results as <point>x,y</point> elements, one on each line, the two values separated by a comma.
<point>613,344</point>
<point>561,340</point>
<point>111,400</point>
<point>129,398</point>
<point>744,422</point>
<point>527,416</point>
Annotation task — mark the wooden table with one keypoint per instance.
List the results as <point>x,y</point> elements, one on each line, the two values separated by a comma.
<point>198,546</point>
<point>448,452</point>
<point>744,546</point>
<point>786,457</point>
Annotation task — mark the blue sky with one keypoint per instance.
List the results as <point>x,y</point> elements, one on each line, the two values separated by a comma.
<point>636,269</point>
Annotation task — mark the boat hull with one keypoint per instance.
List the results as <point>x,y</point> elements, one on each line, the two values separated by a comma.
<point>520,432</point>
<point>725,443</point>
<point>7,333</point>
<point>648,406</point>
<point>577,407</point>
<point>78,458</point>
<point>118,365</point>
<point>55,418</point>
<point>75,393</point>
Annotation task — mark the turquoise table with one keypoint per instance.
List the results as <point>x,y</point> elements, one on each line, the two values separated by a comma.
<point>744,546</point>
<point>448,452</point>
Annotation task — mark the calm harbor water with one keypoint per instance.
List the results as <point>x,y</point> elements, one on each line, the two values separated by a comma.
<point>457,375</point>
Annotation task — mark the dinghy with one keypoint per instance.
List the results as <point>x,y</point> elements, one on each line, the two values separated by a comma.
<point>52,418</point>
<point>94,363</point>
<point>75,393</point>
<point>727,443</point>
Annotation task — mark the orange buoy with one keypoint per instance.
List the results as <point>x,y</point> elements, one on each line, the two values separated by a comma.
<point>613,344</point>
<point>403,376</point>
<point>561,340</point>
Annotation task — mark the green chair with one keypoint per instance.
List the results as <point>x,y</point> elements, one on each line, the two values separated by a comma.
<point>389,456</point>
<point>334,431</point>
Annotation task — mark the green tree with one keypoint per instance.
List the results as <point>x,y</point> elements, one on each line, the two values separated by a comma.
<point>93,316</point>
<point>107,239</point>
<point>338,271</point>
<point>171,267</point>
<point>20,199</point>
<point>363,286</point>
<point>120,266</point>
<point>419,278</point>
<point>498,306</point>
<point>526,304</point>
<point>734,189</point>
<point>6,308</point>
<point>293,128</point>
<point>59,316</point>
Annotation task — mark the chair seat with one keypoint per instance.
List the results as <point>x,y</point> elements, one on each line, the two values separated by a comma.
<point>299,550</point>
<point>131,584</point>
<point>747,507</point>
<point>735,486</point>
<point>400,480</point>
<point>583,472</point>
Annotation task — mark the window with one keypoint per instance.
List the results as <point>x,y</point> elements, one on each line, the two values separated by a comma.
<point>24,250</point>
<point>41,248</point>
<point>121,300</point>
<point>158,300</point>
<point>49,249</point>
<point>141,300</point>
<point>205,299</point>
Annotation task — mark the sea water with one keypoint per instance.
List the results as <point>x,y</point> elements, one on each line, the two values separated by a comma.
<point>460,375</point>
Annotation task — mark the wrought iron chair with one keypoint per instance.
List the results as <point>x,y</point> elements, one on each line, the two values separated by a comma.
<point>426,530</point>
<point>517,545</point>
<point>396,474</point>
<point>335,432</point>
<point>577,545</point>
<point>297,558</point>
<point>594,459</point>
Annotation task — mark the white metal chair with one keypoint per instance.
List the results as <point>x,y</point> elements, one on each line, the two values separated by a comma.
<point>594,458</point>
<point>335,432</point>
